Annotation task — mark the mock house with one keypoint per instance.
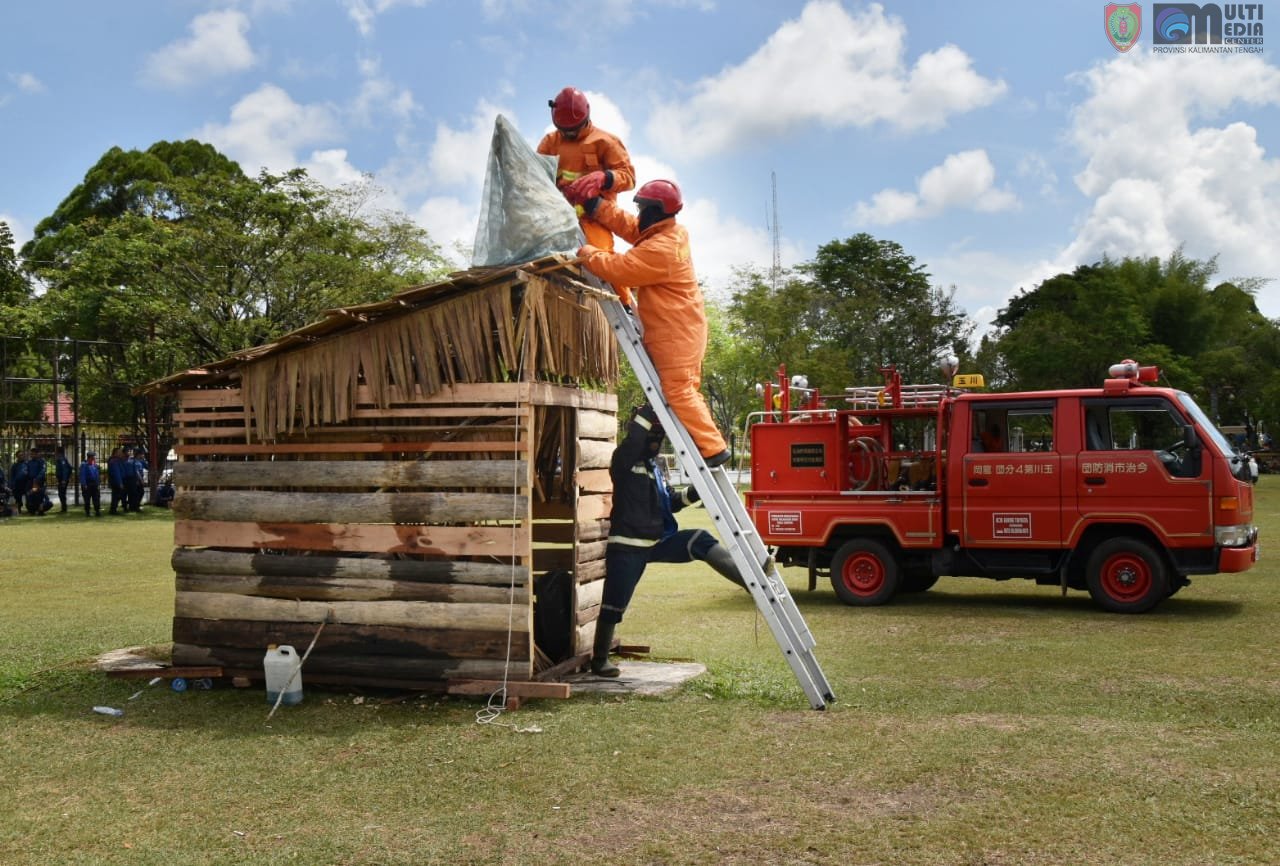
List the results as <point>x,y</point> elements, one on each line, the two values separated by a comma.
<point>420,486</point>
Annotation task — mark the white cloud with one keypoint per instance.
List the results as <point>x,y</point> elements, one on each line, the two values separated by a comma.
<point>267,129</point>
<point>26,82</point>
<point>331,168</point>
<point>459,157</point>
<point>1161,178</point>
<point>827,67</point>
<point>379,94</point>
<point>1036,167</point>
<point>364,12</point>
<point>983,280</point>
<point>21,234</point>
<point>721,243</point>
<point>450,224</point>
<point>963,180</point>
<point>217,46</point>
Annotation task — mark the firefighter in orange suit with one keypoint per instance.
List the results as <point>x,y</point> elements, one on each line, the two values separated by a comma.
<point>659,266</point>
<point>592,163</point>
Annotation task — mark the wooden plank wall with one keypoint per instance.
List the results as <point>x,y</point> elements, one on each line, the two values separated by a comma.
<point>409,531</point>
<point>597,436</point>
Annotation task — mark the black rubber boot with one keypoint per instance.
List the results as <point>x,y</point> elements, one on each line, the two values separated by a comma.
<point>600,664</point>
<point>717,459</point>
<point>719,558</point>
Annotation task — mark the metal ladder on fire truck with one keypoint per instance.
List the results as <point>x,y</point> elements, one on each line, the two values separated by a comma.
<point>733,524</point>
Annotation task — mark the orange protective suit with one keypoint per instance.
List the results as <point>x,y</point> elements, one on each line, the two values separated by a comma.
<point>660,267</point>
<point>593,150</point>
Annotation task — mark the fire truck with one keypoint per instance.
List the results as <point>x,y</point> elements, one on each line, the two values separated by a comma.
<point>1124,490</point>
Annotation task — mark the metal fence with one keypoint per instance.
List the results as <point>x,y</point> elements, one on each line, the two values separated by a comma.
<point>101,439</point>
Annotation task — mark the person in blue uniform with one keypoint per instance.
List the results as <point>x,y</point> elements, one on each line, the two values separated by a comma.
<point>643,529</point>
<point>62,473</point>
<point>91,484</point>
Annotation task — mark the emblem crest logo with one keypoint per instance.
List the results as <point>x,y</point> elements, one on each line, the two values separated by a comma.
<point>1123,24</point>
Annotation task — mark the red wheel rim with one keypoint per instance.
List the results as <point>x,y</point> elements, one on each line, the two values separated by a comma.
<point>863,574</point>
<point>1126,577</point>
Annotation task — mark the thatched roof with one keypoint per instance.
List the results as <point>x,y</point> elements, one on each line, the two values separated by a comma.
<point>520,323</point>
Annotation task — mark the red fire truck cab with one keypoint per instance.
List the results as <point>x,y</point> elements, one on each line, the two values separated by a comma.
<point>1123,490</point>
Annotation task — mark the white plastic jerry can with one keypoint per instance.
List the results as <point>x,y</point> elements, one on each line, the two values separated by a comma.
<point>283,671</point>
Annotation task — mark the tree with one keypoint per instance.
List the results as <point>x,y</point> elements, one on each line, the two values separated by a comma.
<point>1071,328</point>
<point>177,258</point>
<point>1212,343</point>
<point>15,288</point>
<point>860,305</point>
<point>729,374</point>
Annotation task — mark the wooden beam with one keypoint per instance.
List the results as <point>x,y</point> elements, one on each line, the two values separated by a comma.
<point>217,398</point>
<point>593,424</point>
<point>403,507</point>
<point>353,638</point>
<point>404,614</point>
<point>346,474</point>
<point>384,667</point>
<point>594,506</point>
<point>345,538</point>
<point>345,589</point>
<point>594,454</point>
<point>271,449</point>
<point>197,561</point>
<point>594,481</point>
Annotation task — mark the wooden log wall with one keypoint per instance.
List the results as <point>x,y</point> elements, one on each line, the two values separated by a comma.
<point>414,532</point>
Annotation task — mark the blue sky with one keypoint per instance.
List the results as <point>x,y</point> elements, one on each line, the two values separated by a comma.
<point>998,144</point>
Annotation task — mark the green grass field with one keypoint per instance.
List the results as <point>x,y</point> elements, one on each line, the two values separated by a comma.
<point>978,723</point>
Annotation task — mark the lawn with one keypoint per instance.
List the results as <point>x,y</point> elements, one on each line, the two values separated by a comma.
<point>978,723</point>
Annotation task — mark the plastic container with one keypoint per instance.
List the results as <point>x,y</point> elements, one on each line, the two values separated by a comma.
<point>109,711</point>
<point>284,674</point>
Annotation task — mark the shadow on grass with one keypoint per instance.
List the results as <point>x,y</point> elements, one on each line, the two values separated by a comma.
<point>1018,603</point>
<point>75,515</point>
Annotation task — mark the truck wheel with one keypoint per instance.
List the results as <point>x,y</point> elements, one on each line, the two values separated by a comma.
<point>864,572</point>
<point>1126,576</point>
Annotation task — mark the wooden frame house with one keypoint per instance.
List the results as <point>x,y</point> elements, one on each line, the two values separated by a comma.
<point>412,474</point>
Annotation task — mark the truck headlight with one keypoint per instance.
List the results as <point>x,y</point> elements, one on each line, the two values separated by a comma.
<point>1241,535</point>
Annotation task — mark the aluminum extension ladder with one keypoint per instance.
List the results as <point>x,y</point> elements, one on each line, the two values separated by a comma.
<point>733,524</point>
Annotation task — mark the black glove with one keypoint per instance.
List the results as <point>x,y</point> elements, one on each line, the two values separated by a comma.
<point>646,412</point>
<point>691,493</point>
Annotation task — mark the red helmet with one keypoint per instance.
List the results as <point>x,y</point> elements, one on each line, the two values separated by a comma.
<point>570,109</point>
<point>662,192</point>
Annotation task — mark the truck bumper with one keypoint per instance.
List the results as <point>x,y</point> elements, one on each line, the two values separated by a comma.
<point>1233,559</point>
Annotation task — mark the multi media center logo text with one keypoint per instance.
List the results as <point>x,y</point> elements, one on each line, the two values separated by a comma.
<point>1189,28</point>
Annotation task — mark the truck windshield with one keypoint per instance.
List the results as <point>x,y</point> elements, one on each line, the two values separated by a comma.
<point>1207,428</point>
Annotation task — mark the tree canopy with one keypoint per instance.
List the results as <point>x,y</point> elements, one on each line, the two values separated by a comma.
<point>859,305</point>
<point>173,257</point>
<point>1210,342</point>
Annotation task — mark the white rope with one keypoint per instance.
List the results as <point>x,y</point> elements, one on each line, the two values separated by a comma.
<point>497,703</point>
<point>297,668</point>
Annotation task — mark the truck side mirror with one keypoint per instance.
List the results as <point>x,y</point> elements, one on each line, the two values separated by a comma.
<point>1189,437</point>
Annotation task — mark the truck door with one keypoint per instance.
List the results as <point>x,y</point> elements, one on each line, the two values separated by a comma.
<point>1137,468</point>
<point>1011,491</point>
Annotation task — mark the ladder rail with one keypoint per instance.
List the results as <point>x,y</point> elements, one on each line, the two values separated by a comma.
<point>733,524</point>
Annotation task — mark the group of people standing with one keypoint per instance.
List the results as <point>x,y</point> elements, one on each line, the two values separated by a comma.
<point>125,475</point>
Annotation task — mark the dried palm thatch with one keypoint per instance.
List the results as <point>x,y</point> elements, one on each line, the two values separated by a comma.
<point>523,329</point>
